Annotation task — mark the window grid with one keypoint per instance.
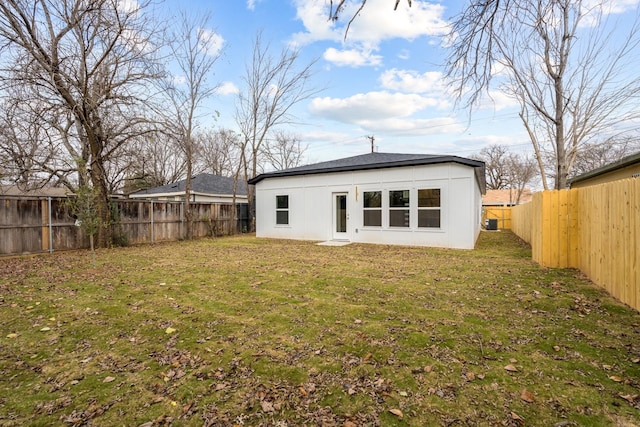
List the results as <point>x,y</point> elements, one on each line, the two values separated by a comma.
<point>399,204</point>
<point>282,210</point>
<point>372,209</point>
<point>429,204</point>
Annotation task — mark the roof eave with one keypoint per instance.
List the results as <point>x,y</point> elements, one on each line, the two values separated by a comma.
<point>373,166</point>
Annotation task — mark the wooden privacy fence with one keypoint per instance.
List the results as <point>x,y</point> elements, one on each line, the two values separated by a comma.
<point>594,229</point>
<point>32,225</point>
<point>500,213</point>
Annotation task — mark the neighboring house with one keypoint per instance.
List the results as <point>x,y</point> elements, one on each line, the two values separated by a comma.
<point>506,197</point>
<point>205,187</point>
<point>405,199</point>
<point>628,167</point>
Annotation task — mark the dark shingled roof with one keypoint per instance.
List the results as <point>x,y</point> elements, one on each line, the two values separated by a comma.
<point>205,183</point>
<point>376,161</point>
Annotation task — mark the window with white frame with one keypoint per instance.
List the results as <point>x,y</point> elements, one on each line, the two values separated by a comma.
<point>429,204</point>
<point>372,209</point>
<point>399,208</point>
<point>282,210</point>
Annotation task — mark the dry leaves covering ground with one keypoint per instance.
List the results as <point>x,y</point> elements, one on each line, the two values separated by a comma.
<point>249,332</point>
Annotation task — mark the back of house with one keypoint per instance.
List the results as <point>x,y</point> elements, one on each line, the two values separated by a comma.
<point>386,198</point>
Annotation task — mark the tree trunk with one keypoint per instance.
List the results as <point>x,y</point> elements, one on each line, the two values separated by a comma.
<point>188,215</point>
<point>561,159</point>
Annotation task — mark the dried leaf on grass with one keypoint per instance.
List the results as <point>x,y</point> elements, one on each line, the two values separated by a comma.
<point>631,398</point>
<point>527,396</point>
<point>267,406</point>
<point>517,418</point>
<point>397,412</point>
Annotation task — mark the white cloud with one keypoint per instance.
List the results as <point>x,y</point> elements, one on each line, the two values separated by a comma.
<point>370,106</point>
<point>377,21</point>
<point>324,136</point>
<point>611,6</point>
<point>404,54</point>
<point>251,4</point>
<point>211,41</point>
<point>128,6</point>
<point>315,18</point>
<point>427,126</point>
<point>228,88</point>
<point>351,57</point>
<point>412,82</point>
<point>496,100</point>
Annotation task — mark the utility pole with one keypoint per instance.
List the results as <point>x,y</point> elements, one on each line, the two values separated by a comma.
<point>372,139</point>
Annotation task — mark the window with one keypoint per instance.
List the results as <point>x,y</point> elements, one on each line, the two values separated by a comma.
<point>429,208</point>
<point>282,210</point>
<point>399,208</point>
<point>372,209</point>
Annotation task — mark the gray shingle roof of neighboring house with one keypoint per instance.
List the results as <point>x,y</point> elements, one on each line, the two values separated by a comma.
<point>376,161</point>
<point>205,183</point>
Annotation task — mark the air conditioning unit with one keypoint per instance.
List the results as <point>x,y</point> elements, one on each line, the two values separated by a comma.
<point>491,224</point>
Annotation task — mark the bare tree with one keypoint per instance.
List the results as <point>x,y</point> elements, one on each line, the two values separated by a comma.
<point>521,171</point>
<point>495,160</point>
<point>505,170</point>
<point>38,142</point>
<point>273,86</point>
<point>284,151</point>
<point>561,64</point>
<point>218,151</point>
<point>195,50</point>
<point>151,161</point>
<point>88,61</point>
<point>596,155</point>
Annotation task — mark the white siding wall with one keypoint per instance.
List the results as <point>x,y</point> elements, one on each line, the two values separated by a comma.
<point>311,212</point>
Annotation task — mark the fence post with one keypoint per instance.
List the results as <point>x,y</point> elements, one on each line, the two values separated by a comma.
<point>50,225</point>
<point>47,226</point>
<point>151,219</point>
<point>44,208</point>
<point>182,220</point>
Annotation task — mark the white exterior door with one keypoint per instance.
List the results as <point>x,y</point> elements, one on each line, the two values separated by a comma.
<point>340,216</point>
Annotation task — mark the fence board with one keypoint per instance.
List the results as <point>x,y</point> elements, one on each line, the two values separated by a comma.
<point>573,229</point>
<point>500,213</point>
<point>634,251</point>
<point>591,228</point>
<point>27,226</point>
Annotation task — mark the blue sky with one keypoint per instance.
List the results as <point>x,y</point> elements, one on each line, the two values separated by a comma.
<point>384,80</point>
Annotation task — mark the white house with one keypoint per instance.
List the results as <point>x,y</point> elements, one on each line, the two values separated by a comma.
<point>205,187</point>
<point>404,199</point>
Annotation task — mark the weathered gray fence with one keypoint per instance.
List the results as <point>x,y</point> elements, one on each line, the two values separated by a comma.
<point>32,225</point>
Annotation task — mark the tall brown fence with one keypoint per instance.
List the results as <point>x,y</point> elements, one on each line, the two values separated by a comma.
<point>592,228</point>
<point>32,225</point>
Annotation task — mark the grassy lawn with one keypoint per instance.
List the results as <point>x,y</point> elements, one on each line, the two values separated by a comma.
<point>245,331</point>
